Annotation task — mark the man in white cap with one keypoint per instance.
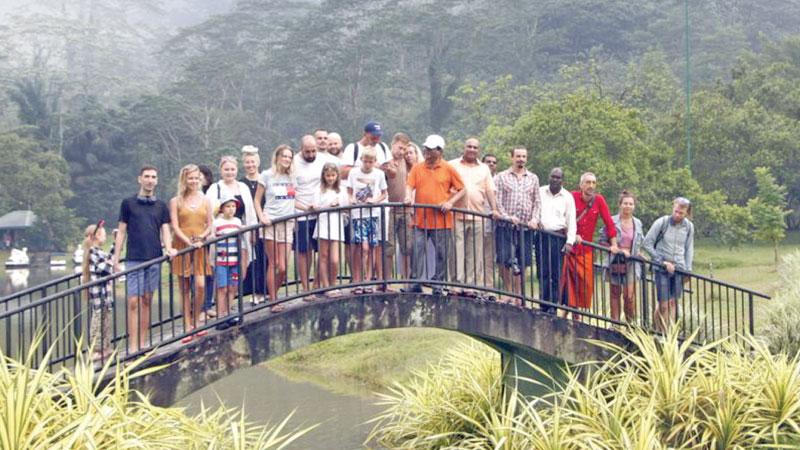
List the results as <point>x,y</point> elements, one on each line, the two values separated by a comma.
<point>433,182</point>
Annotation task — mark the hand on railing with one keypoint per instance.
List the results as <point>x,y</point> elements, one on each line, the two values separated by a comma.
<point>447,206</point>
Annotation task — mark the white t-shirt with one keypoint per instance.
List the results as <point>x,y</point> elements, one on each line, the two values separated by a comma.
<point>278,194</point>
<point>365,186</point>
<point>307,178</point>
<point>382,156</point>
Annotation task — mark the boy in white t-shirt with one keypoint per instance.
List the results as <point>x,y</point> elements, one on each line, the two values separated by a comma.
<point>226,259</point>
<point>366,185</point>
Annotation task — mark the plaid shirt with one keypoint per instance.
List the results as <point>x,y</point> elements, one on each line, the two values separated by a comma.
<point>518,196</point>
<point>99,267</point>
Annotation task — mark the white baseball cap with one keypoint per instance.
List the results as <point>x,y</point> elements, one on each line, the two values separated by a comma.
<point>434,141</point>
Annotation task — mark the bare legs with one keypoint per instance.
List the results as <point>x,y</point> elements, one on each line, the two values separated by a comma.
<point>328,262</point>
<point>192,304</point>
<point>138,321</point>
<point>665,315</point>
<point>626,291</point>
<point>276,273</point>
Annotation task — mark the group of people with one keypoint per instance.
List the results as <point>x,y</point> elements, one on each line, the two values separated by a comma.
<point>502,220</point>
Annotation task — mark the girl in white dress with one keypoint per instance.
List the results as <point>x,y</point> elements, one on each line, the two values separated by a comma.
<point>330,227</point>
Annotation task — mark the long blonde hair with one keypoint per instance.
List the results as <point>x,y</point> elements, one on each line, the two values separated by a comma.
<point>88,240</point>
<point>275,153</point>
<point>183,187</point>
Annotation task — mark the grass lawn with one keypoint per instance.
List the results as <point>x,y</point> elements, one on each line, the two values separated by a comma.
<point>371,361</point>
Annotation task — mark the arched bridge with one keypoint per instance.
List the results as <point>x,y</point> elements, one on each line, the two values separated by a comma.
<point>519,315</point>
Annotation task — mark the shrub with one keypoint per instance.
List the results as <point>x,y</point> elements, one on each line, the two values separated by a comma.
<point>71,409</point>
<point>655,395</point>
<point>782,330</point>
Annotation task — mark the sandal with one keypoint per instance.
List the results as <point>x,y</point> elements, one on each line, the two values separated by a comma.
<point>277,308</point>
<point>201,333</point>
<point>187,339</point>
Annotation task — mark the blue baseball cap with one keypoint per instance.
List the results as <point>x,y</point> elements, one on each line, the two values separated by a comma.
<point>373,128</point>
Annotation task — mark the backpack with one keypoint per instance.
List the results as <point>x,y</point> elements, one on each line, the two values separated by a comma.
<point>663,230</point>
<point>356,149</point>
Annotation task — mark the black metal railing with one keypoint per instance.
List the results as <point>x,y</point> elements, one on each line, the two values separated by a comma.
<point>368,250</point>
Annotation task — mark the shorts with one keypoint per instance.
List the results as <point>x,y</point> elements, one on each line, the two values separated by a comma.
<point>509,248</point>
<point>348,229</point>
<point>624,279</point>
<point>282,232</point>
<point>304,236</point>
<point>668,285</point>
<point>225,276</point>
<point>366,230</point>
<point>144,281</point>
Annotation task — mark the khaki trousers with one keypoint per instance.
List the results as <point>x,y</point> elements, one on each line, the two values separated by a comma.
<point>468,242</point>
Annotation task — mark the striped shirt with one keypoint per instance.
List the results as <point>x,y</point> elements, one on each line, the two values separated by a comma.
<point>227,250</point>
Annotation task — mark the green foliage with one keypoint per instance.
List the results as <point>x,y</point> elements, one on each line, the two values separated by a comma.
<point>36,179</point>
<point>769,209</point>
<point>583,132</point>
<point>70,408</point>
<point>442,403</point>
<point>782,328</point>
<point>649,395</point>
<point>730,225</point>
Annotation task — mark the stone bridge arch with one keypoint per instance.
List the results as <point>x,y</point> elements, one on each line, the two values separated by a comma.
<point>511,330</point>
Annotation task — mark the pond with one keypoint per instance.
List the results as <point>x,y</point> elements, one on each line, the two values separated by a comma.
<point>269,396</point>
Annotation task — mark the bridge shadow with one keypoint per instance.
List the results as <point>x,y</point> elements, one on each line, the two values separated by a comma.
<point>512,330</point>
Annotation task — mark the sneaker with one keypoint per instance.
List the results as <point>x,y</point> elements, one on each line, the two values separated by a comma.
<point>439,291</point>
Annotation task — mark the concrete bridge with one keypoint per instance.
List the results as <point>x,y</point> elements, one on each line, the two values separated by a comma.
<point>716,308</point>
<point>513,331</point>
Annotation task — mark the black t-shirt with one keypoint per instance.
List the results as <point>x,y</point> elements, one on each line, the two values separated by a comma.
<point>252,185</point>
<point>144,226</point>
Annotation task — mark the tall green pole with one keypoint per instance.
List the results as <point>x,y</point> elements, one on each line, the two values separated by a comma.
<point>688,87</point>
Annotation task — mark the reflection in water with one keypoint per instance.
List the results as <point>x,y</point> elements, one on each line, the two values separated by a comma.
<point>267,396</point>
<point>18,278</point>
<point>15,280</point>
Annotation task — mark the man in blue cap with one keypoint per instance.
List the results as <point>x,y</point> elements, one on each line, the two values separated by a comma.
<point>371,138</point>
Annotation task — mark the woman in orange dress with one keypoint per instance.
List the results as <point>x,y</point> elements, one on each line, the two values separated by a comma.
<point>191,218</point>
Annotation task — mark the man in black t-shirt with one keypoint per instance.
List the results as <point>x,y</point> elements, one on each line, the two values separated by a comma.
<point>145,220</point>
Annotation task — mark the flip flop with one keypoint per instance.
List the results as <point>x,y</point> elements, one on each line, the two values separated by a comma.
<point>187,339</point>
<point>277,308</point>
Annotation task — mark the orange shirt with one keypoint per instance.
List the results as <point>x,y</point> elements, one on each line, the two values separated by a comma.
<point>432,185</point>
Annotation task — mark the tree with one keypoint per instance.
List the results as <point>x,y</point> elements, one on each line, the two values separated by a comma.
<point>768,209</point>
<point>36,179</point>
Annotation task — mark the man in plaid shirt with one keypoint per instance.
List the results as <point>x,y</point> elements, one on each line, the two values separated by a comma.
<point>518,202</point>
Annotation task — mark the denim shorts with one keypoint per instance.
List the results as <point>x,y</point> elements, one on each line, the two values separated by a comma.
<point>365,230</point>
<point>304,236</point>
<point>668,285</point>
<point>513,246</point>
<point>225,276</point>
<point>143,281</point>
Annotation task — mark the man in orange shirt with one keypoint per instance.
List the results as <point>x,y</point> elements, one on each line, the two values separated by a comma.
<point>433,182</point>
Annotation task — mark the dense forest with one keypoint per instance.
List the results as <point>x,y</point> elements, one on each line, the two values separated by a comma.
<point>91,89</point>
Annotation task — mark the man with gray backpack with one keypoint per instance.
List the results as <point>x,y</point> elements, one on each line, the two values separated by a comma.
<point>670,244</point>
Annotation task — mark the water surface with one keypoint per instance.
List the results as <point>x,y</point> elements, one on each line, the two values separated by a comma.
<point>268,396</point>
